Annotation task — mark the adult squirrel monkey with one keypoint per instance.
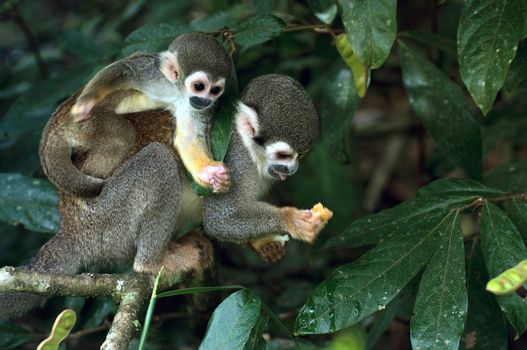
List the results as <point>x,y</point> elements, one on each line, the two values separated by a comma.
<point>148,198</point>
<point>187,80</point>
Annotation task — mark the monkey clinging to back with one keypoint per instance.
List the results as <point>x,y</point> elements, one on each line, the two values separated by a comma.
<point>187,80</point>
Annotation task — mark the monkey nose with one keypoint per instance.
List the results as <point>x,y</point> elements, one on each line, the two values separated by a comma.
<point>199,102</point>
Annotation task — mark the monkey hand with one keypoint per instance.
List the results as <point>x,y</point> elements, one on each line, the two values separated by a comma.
<point>81,110</point>
<point>216,176</point>
<point>270,249</point>
<point>305,225</point>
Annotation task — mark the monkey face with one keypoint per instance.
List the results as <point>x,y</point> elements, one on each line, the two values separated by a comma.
<point>202,91</point>
<point>281,160</point>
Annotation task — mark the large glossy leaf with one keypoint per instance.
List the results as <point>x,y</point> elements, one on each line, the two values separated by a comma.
<point>12,335</point>
<point>518,69</point>
<point>503,248</point>
<point>517,211</point>
<point>258,30</point>
<point>325,10</point>
<point>256,340</point>
<point>153,37</point>
<point>487,40</point>
<point>441,304</point>
<point>510,177</point>
<point>357,290</point>
<point>232,322</point>
<point>433,201</point>
<point>443,110</point>
<point>371,27</point>
<point>338,105</point>
<point>28,201</point>
<point>485,327</point>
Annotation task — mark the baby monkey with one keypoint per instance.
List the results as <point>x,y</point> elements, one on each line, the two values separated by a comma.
<point>187,80</point>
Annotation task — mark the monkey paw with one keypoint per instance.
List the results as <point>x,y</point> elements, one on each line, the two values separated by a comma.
<point>269,249</point>
<point>216,177</point>
<point>305,225</point>
<point>82,108</point>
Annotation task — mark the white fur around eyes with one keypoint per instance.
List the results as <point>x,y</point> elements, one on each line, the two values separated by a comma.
<point>279,147</point>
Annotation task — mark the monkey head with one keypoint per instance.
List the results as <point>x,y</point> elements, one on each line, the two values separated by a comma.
<point>278,124</point>
<point>199,64</point>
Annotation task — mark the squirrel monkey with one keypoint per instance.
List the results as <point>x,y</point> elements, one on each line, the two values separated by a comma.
<point>148,198</point>
<point>187,80</point>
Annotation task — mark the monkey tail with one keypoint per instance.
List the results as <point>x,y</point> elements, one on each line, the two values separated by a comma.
<point>56,256</point>
<point>55,157</point>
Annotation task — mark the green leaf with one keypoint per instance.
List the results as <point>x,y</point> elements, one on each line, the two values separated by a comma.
<point>427,39</point>
<point>12,335</point>
<point>150,311</point>
<point>153,37</point>
<point>510,177</point>
<point>503,248</point>
<point>371,27</point>
<point>196,290</point>
<point>442,108</point>
<point>338,105</point>
<point>258,30</point>
<point>264,6</point>
<point>213,22</point>
<point>324,10</point>
<point>441,304</point>
<point>485,327</point>
<point>433,201</point>
<point>365,286</point>
<point>231,323</point>
<point>28,201</point>
<point>61,329</point>
<point>509,281</point>
<point>487,40</point>
<point>518,69</point>
<point>256,340</point>
<point>383,321</point>
<point>517,212</point>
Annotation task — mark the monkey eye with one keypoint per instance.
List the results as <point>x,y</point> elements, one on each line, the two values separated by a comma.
<point>199,86</point>
<point>283,155</point>
<point>215,90</point>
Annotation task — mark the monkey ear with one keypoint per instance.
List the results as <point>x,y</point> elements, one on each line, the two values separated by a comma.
<point>247,120</point>
<point>169,66</point>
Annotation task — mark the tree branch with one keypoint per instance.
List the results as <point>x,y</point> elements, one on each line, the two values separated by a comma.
<point>129,290</point>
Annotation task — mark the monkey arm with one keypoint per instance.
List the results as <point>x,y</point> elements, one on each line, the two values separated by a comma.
<point>191,144</point>
<point>126,74</point>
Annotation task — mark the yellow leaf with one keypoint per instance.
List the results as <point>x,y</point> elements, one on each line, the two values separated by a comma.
<point>361,73</point>
<point>61,328</point>
<point>509,281</point>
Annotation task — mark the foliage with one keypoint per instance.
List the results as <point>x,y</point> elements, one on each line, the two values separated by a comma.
<point>445,78</point>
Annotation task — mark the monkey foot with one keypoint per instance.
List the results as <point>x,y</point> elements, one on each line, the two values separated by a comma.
<point>191,253</point>
<point>217,177</point>
<point>269,249</point>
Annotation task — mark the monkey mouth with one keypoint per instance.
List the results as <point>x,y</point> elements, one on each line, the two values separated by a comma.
<point>278,175</point>
<point>200,103</point>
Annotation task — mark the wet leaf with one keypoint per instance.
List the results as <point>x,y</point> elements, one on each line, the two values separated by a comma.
<point>441,305</point>
<point>153,37</point>
<point>371,27</point>
<point>442,108</point>
<point>432,201</point>
<point>232,322</point>
<point>518,69</point>
<point>361,73</point>
<point>28,201</point>
<point>510,177</point>
<point>487,40</point>
<point>12,335</point>
<point>503,248</point>
<point>325,10</point>
<point>258,30</point>
<point>338,105</point>
<point>517,212</point>
<point>485,327</point>
<point>357,290</point>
